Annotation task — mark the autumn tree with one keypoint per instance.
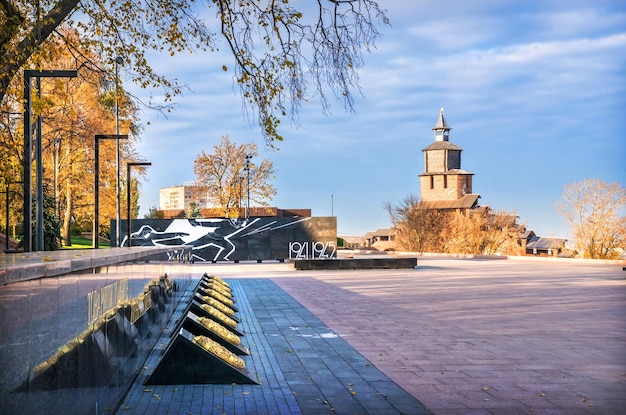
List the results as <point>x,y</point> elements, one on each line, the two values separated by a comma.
<point>231,173</point>
<point>10,162</point>
<point>193,211</point>
<point>481,231</point>
<point>594,209</point>
<point>417,228</point>
<point>91,112</point>
<point>154,213</point>
<point>279,51</point>
<point>51,225</point>
<point>73,112</point>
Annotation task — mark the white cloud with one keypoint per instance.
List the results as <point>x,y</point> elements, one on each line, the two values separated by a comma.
<point>455,33</point>
<point>547,52</point>
<point>571,23</point>
<point>525,86</point>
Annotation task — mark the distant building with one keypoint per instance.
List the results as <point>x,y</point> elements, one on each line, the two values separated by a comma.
<point>179,197</point>
<point>444,184</point>
<point>351,241</point>
<point>261,212</point>
<point>175,200</point>
<point>532,244</point>
<point>382,239</point>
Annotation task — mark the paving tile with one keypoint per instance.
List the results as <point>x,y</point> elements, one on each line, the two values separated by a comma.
<point>513,325</point>
<point>438,334</point>
<point>302,366</point>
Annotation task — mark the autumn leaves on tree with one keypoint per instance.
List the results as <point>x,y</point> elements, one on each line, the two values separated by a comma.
<point>594,210</point>
<point>280,49</point>
<point>231,174</point>
<point>478,231</point>
<point>282,54</point>
<point>73,112</point>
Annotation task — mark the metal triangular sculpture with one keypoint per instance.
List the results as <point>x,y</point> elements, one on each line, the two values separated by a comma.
<point>206,347</point>
<point>223,335</point>
<point>189,360</point>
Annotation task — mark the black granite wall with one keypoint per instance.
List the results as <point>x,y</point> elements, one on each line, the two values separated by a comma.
<point>263,238</point>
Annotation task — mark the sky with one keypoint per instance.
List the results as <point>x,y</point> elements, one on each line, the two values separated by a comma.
<point>534,91</point>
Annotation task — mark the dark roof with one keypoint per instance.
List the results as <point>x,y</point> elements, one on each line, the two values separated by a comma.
<point>442,145</point>
<point>538,242</point>
<point>467,201</point>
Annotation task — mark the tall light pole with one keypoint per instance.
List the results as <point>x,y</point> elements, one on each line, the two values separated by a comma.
<point>55,155</point>
<point>27,162</point>
<point>39,234</point>
<point>118,61</point>
<point>96,196</point>
<point>240,185</point>
<point>128,167</point>
<point>247,169</point>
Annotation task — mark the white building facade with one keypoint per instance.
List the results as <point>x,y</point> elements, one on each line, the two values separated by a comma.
<point>179,197</point>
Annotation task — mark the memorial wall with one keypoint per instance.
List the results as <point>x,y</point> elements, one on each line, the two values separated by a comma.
<point>261,238</point>
<point>73,343</point>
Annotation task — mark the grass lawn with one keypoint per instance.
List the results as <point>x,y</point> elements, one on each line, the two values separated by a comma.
<point>80,242</point>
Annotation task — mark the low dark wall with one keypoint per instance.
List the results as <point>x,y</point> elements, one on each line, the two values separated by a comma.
<point>263,238</point>
<point>365,263</point>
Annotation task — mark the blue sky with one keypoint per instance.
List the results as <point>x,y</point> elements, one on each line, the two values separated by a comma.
<point>535,93</point>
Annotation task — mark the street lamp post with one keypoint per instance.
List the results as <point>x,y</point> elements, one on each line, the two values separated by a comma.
<point>96,215</point>
<point>118,61</point>
<point>28,160</point>
<point>240,185</point>
<point>247,169</point>
<point>39,234</point>
<point>55,155</point>
<point>128,167</point>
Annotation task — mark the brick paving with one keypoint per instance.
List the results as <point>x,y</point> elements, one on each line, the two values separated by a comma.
<point>454,336</point>
<point>302,368</point>
<point>469,336</point>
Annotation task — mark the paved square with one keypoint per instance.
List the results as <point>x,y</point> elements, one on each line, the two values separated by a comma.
<point>469,336</point>
<point>457,336</point>
<point>302,367</point>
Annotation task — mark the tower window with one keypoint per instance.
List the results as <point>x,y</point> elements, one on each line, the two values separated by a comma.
<point>432,182</point>
<point>445,182</point>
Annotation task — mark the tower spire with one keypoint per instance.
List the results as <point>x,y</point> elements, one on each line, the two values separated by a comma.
<point>441,129</point>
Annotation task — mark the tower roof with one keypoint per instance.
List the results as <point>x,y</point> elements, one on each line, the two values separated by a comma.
<point>441,122</point>
<point>467,201</point>
<point>442,145</point>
